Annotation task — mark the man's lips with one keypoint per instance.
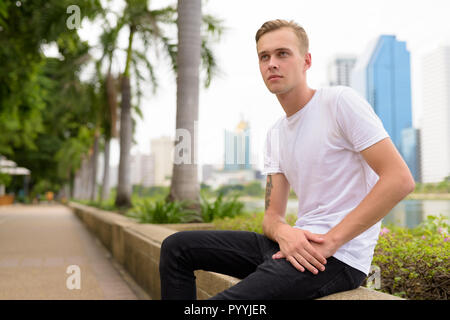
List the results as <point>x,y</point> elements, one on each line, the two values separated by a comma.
<point>274,77</point>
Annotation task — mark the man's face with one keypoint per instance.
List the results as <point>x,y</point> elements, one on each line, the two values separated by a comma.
<point>282,65</point>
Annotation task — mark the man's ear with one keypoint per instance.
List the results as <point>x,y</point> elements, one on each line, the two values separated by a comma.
<point>308,61</point>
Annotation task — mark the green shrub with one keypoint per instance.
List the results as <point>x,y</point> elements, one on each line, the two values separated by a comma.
<point>148,211</point>
<point>221,207</point>
<point>248,222</point>
<point>415,263</point>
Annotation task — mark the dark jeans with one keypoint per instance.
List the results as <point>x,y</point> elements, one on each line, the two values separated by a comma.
<point>247,256</point>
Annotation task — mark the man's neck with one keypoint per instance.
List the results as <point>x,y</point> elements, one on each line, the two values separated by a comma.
<point>295,100</point>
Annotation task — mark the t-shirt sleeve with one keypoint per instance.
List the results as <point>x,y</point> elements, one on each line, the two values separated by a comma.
<point>358,121</point>
<point>272,153</point>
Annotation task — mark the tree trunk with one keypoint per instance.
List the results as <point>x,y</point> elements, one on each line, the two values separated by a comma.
<point>105,184</point>
<point>124,188</point>
<point>84,178</point>
<point>112,102</point>
<point>93,194</point>
<point>184,184</point>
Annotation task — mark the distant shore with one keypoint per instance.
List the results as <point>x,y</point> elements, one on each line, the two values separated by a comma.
<point>428,196</point>
<point>412,196</point>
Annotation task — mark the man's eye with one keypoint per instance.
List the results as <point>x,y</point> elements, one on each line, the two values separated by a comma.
<point>264,57</point>
<point>282,53</point>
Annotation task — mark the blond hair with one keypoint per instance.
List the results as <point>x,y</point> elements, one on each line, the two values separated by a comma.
<point>273,25</point>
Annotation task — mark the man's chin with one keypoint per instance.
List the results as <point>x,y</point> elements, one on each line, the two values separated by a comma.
<point>276,90</point>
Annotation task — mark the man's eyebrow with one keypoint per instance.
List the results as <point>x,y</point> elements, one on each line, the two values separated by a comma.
<point>275,50</point>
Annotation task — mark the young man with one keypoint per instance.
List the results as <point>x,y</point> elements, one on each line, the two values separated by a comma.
<point>332,149</point>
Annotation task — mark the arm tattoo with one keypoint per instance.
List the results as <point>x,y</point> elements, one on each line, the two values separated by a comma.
<point>269,187</point>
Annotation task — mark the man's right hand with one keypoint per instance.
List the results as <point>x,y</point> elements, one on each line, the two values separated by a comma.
<point>295,247</point>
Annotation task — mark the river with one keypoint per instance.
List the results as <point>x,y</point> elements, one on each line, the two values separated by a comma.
<point>407,213</point>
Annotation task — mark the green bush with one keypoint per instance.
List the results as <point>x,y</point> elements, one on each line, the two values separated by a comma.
<point>221,207</point>
<point>415,263</point>
<point>5,179</point>
<point>248,222</point>
<point>441,187</point>
<point>159,211</point>
<point>148,211</point>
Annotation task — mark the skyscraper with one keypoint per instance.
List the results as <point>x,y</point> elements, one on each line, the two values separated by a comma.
<point>435,129</point>
<point>237,148</point>
<point>163,151</point>
<point>410,151</point>
<point>339,70</point>
<point>382,75</point>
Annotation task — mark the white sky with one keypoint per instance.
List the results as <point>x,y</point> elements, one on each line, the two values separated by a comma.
<point>333,26</point>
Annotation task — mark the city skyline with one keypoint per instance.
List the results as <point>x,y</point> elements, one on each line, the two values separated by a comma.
<point>238,88</point>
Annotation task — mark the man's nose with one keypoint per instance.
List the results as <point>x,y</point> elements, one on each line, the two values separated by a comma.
<point>273,63</point>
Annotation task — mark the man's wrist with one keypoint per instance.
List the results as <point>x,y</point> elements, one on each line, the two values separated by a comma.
<point>335,238</point>
<point>279,230</point>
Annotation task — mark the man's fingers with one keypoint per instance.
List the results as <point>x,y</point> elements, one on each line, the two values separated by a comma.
<point>317,256</point>
<point>304,263</point>
<point>298,262</point>
<point>278,255</point>
<point>314,237</point>
<point>312,261</point>
<point>295,263</point>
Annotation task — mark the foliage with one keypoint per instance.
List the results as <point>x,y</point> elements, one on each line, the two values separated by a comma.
<point>441,187</point>
<point>221,207</point>
<point>251,189</point>
<point>5,179</point>
<point>155,192</point>
<point>42,101</point>
<point>249,222</point>
<point>25,26</point>
<point>147,211</point>
<point>415,263</point>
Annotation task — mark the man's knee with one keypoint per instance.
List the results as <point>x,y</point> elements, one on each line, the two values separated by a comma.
<point>169,251</point>
<point>172,243</point>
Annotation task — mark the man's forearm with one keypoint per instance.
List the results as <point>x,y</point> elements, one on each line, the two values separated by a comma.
<point>272,224</point>
<point>385,194</point>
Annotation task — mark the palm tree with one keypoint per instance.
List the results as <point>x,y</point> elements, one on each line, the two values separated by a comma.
<point>108,41</point>
<point>184,184</point>
<point>192,50</point>
<point>144,24</point>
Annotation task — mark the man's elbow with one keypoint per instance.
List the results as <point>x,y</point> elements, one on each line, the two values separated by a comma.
<point>407,184</point>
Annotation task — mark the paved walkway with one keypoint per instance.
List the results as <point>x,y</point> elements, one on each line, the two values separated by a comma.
<point>37,245</point>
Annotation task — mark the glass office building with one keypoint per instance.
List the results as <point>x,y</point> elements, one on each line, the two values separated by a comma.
<point>411,151</point>
<point>237,148</point>
<point>382,75</point>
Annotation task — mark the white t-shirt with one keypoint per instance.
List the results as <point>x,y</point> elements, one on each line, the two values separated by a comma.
<point>317,149</point>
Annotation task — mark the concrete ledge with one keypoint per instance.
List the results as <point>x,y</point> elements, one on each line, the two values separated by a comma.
<point>137,247</point>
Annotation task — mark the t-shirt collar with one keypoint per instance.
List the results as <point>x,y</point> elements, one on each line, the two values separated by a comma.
<point>296,115</point>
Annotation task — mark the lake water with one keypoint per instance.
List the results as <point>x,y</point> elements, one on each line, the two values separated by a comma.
<point>407,213</point>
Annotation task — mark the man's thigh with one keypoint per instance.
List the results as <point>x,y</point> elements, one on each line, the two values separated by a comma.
<point>278,279</point>
<point>235,253</point>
